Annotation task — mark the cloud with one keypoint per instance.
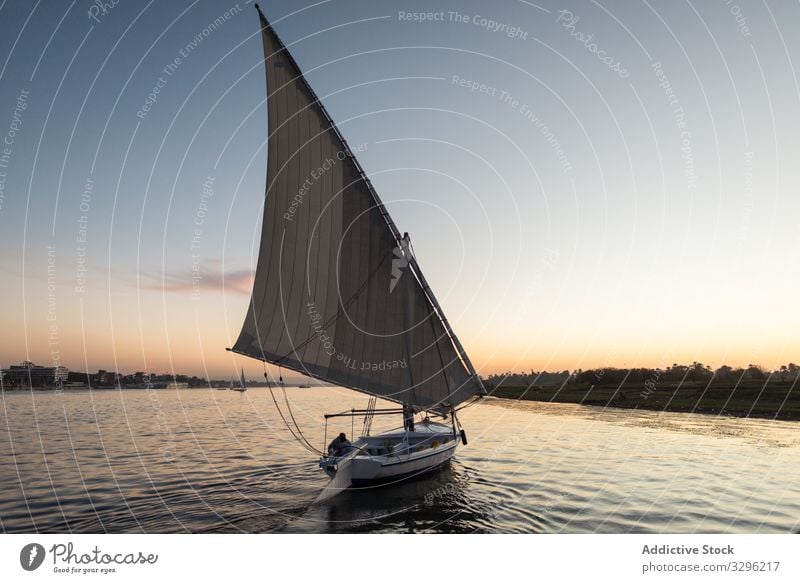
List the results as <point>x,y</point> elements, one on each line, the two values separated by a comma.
<point>209,278</point>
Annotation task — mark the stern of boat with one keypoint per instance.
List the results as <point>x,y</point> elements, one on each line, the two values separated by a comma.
<point>328,465</point>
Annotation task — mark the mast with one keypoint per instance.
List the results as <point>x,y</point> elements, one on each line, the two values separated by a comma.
<point>412,261</point>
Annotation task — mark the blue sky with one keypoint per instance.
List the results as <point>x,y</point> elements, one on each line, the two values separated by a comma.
<point>569,212</point>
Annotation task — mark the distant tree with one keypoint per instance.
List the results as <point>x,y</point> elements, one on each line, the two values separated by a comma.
<point>676,372</point>
<point>723,373</point>
<point>755,372</point>
<point>698,372</point>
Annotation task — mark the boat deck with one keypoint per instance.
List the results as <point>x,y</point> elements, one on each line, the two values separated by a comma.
<point>399,441</point>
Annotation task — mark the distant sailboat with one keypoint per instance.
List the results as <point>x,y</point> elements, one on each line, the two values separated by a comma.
<point>339,296</point>
<point>242,385</point>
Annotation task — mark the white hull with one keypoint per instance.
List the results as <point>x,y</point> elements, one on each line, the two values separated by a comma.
<point>365,471</point>
<point>390,457</point>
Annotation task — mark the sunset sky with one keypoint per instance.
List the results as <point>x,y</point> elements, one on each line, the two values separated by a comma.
<point>612,185</point>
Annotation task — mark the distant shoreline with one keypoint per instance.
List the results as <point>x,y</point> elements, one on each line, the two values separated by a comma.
<point>750,398</point>
<point>780,401</point>
<point>75,388</point>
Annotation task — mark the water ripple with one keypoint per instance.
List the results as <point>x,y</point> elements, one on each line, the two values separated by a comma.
<point>203,461</point>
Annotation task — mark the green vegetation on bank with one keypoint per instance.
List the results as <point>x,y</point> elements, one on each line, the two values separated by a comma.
<point>750,392</point>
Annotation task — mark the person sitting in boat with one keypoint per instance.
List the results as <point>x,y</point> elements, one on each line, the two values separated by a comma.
<point>339,446</point>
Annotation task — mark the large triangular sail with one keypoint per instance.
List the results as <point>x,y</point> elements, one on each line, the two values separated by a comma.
<point>338,295</point>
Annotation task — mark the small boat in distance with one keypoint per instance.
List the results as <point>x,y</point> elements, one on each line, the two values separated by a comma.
<point>338,296</point>
<point>242,385</point>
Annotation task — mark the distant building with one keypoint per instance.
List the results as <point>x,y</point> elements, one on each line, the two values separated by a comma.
<point>104,378</point>
<point>78,378</point>
<point>61,374</point>
<point>28,374</point>
<point>174,385</point>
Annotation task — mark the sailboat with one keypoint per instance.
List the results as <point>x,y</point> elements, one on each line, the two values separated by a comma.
<point>242,385</point>
<point>339,296</point>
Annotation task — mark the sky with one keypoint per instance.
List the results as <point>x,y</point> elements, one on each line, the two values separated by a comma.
<point>586,184</point>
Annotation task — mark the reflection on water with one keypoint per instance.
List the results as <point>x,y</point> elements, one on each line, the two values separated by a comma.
<point>217,461</point>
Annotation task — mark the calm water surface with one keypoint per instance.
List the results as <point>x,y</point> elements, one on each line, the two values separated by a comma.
<point>217,461</point>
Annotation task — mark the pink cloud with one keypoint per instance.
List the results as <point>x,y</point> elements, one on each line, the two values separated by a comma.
<point>205,280</point>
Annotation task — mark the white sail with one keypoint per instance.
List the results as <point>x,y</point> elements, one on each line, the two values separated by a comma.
<point>337,293</point>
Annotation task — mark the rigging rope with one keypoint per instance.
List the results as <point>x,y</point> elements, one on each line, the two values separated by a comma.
<point>299,431</point>
<point>369,416</point>
<point>469,403</point>
<point>302,439</point>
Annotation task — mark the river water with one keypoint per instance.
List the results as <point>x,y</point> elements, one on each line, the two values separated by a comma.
<point>217,461</point>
